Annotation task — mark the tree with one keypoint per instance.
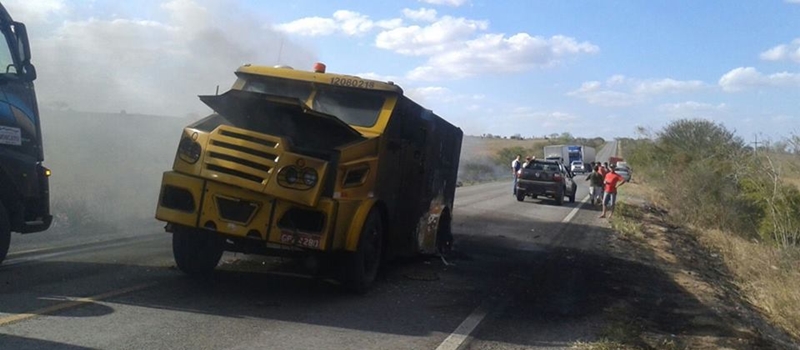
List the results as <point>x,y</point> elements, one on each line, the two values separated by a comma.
<point>698,140</point>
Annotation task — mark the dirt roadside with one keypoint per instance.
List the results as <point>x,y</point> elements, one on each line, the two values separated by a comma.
<point>697,307</point>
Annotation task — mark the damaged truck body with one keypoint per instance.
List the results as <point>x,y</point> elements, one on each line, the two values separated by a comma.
<point>334,168</point>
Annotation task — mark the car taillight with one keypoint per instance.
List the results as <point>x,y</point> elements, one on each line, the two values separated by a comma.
<point>557,177</point>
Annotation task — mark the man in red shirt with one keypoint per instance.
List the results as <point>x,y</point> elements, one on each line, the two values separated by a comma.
<point>611,182</point>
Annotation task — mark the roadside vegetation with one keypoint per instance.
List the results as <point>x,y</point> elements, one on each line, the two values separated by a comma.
<point>741,203</point>
<point>488,157</point>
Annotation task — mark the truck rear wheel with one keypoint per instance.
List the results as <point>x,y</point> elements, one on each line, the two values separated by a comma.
<point>560,198</point>
<point>197,252</point>
<point>363,264</point>
<point>5,233</point>
<point>520,195</point>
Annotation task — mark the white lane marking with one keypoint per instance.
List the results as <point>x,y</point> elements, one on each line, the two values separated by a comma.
<point>575,210</point>
<point>80,249</point>
<point>463,331</point>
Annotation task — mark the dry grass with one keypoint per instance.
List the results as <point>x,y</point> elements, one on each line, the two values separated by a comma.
<point>478,147</point>
<point>769,277</point>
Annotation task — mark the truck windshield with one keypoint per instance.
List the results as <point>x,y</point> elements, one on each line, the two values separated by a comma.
<point>356,107</point>
<point>6,59</point>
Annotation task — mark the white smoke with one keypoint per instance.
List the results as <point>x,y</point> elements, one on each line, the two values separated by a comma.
<point>150,66</point>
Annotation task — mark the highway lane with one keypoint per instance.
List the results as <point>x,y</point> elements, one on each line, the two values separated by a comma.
<point>128,295</point>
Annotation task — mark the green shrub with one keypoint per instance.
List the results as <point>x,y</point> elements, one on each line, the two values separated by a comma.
<point>709,178</point>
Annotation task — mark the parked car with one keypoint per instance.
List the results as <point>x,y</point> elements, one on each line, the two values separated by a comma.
<point>577,167</point>
<point>546,178</point>
<point>624,172</point>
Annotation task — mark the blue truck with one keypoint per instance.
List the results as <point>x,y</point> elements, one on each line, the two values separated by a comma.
<point>569,154</point>
<point>24,183</point>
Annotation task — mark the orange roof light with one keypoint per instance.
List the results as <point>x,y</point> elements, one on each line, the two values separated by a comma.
<point>319,67</point>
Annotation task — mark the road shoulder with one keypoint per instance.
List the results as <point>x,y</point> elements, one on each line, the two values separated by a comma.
<point>695,304</point>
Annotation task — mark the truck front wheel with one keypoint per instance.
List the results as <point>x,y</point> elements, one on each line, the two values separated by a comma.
<point>520,195</point>
<point>197,252</point>
<point>363,264</point>
<point>5,233</point>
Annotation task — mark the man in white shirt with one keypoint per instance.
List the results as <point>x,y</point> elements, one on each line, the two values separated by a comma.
<point>515,166</point>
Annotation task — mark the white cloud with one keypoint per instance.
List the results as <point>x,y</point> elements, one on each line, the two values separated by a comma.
<point>616,80</point>
<point>350,23</point>
<point>549,121</point>
<point>668,86</point>
<point>496,53</point>
<point>439,94</point>
<point>621,91</point>
<point>146,66</point>
<point>428,94</point>
<point>439,36</point>
<point>743,78</point>
<point>453,3</point>
<point>423,14</point>
<point>379,77</point>
<point>691,107</point>
<point>783,52</point>
<point>31,11</point>
<point>606,98</point>
<point>309,26</point>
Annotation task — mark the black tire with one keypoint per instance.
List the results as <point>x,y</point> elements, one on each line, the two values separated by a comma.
<point>572,196</point>
<point>197,252</point>
<point>5,233</point>
<point>560,198</point>
<point>364,263</point>
<point>520,196</point>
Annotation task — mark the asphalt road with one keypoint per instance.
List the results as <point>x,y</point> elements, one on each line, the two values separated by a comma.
<point>522,276</point>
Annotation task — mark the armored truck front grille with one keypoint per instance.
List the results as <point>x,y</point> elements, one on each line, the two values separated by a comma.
<point>242,156</point>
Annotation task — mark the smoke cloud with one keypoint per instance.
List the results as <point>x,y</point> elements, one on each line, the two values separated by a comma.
<point>151,66</point>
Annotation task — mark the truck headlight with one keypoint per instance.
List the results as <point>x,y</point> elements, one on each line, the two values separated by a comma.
<point>189,150</point>
<point>298,178</point>
<point>310,177</point>
<point>290,174</point>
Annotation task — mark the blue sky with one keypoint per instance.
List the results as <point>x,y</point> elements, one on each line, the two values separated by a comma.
<point>592,68</point>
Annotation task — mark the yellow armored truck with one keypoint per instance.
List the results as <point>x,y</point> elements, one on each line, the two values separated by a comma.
<point>337,169</point>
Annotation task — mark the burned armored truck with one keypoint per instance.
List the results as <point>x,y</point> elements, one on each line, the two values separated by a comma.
<point>343,170</point>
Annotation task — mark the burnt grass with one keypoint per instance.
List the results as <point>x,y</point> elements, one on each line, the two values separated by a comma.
<point>658,313</point>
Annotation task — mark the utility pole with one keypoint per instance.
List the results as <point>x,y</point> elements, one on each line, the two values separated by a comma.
<point>756,143</point>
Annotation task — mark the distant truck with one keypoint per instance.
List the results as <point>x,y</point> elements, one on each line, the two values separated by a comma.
<point>566,154</point>
<point>24,183</point>
<point>341,171</point>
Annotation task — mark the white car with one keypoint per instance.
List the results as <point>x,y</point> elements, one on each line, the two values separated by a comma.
<point>577,167</point>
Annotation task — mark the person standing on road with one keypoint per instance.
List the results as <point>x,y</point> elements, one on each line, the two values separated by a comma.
<point>515,167</point>
<point>595,185</point>
<point>612,183</point>
<point>603,169</point>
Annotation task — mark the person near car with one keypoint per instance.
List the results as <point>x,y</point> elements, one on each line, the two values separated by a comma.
<point>603,169</point>
<point>528,161</point>
<point>515,167</point>
<point>595,185</point>
<point>611,182</point>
